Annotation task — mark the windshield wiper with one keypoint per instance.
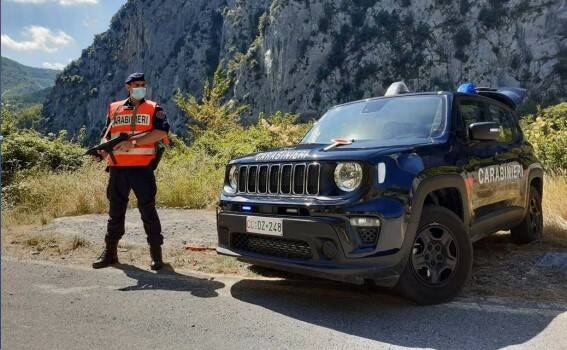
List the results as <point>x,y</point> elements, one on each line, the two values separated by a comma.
<point>338,142</point>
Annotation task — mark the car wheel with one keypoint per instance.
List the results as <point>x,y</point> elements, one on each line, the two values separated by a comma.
<point>531,228</point>
<point>440,262</point>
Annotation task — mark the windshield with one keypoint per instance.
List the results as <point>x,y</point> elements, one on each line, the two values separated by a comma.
<point>393,121</point>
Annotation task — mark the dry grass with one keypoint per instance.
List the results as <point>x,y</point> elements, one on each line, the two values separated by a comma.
<point>39,197</point>
<point>555,208</point>
<point>192,181</point>
<point>26,241</point>
<point>208,262</point>
<point>46,195</point>
<point>505,269</point>
<point>53,244</point>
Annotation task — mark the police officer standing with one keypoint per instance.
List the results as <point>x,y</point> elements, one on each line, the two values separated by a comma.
<point>136,160</point>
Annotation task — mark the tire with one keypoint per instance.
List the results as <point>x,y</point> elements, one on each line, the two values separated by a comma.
<point>440,262</point>
<point>531,228</point>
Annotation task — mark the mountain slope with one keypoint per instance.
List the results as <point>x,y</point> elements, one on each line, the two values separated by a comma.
<point>304,56</point>
<point>18,80</point>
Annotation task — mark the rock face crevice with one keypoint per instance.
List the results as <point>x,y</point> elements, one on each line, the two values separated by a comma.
<point>306,55</point>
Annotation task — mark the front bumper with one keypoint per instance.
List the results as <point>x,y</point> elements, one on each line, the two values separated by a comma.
<point>382,263</point>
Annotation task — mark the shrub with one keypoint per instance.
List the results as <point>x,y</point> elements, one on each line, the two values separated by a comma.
<point>555,208</point>
<point>322,73</point>
<point>211,112</point>
<point>328,10</point>
<point>460,55</point>
<point>303,45</point>
<point>464,7</point>
<point>27,150</point>
<point>41,194</point>
<point>367,71</point>
<point>337,54</point>
<point>316,100</point>
<point>462,38</point>
<point>561,66</point>
<point>547,131</point>
<point>218,138</point>
<point>491,16</point>
<point>324,24</point>
<point>364,3</point>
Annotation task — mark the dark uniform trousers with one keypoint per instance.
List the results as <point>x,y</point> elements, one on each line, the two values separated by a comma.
<point>143,182</point>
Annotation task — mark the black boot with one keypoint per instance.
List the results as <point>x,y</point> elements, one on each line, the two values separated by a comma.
<point>108,257</point>
<point>155,253</point>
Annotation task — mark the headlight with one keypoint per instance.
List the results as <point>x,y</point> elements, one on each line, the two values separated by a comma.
<point>348,176</point>
<point>381,172</point>
<point>233,178</point>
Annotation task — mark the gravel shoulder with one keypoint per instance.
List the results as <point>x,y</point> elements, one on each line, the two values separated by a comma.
<point>179,227</point>
<point>501,268</point>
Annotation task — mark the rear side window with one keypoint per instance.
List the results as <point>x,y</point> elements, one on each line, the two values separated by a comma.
<point>516,130</point>
<point>508,130</point>
<point>471,112</point>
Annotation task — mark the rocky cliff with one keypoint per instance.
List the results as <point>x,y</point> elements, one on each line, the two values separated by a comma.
<point>306,55</point>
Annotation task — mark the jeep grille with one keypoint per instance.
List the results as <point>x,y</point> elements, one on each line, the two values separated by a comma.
<point>290,179</point>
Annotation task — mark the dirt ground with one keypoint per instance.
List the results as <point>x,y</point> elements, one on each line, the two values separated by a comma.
<point>179,226</point>
<point>501,268</point>
<point>505,269</point>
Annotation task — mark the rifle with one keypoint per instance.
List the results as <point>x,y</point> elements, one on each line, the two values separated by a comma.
<point>108,146</point>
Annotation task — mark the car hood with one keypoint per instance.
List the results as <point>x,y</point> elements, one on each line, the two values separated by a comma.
<point>316,152</point>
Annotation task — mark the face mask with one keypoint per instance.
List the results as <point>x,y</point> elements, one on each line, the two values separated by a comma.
<point>138,93</point>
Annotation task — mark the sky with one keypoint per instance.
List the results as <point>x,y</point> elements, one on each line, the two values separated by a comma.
<point>52,33</point>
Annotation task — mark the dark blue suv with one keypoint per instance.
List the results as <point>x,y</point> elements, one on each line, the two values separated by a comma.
<point>391,190</point>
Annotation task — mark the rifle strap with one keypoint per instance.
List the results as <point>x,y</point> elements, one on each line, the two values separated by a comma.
<point>114,114</point>
<point>134,119</point>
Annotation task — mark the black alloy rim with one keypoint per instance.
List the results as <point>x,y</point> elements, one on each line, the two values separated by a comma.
<point>435,255</point>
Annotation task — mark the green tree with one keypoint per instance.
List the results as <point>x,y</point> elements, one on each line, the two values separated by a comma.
<point>212,112</point>
<point>547,132</point>
<point>216,126</point>
<point>8,124</point>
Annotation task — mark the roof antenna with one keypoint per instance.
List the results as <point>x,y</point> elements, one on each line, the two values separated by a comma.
<point>397,88</point>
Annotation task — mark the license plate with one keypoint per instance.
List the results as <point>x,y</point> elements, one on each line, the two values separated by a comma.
<point>264,226</point>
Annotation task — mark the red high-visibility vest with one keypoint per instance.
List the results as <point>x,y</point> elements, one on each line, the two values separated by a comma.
<point>121,121</point>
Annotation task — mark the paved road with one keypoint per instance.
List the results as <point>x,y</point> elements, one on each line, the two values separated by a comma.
<point>47,306</point>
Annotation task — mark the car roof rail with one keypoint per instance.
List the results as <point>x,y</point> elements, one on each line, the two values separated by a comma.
<point>397,88</point>
<point>485,88</point>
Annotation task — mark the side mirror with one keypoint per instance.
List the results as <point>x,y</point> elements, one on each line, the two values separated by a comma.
<point>485,131</point>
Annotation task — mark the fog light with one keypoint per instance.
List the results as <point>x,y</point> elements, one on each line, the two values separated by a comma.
<point>365,221</point>
<point>329,250</point>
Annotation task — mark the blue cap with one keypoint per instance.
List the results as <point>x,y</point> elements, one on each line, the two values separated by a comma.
<point>135,77</point>
<point>469,88</point>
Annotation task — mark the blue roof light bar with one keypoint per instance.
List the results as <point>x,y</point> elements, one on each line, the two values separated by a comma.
<point>468,88</point>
